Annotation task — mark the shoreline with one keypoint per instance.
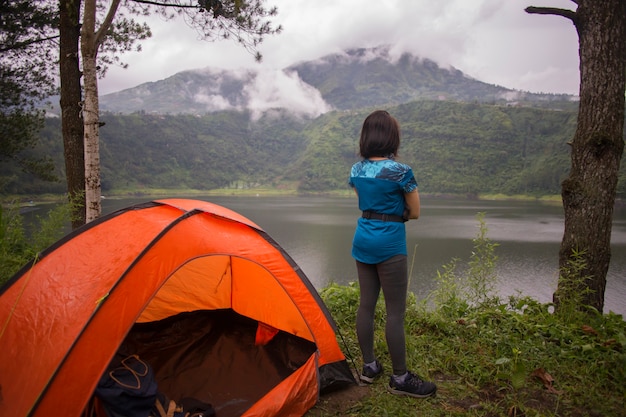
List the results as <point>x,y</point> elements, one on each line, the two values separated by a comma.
<point>32,201</point>
<point>25,201</point>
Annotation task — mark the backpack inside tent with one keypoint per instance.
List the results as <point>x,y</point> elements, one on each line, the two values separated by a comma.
<point>215,307</point>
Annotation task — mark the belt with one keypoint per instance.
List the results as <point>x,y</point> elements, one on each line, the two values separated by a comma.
<point>384,217</point>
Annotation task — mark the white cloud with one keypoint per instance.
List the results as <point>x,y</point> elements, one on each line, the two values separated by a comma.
<point>279,89</point>
<point>214,102</point>
<point>494,41</point>
<point>258,90</point>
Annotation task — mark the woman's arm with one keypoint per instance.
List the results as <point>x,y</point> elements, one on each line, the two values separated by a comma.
<point>412,202</point>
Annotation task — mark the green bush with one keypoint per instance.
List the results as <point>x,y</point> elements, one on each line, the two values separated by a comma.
<point>16,247</point>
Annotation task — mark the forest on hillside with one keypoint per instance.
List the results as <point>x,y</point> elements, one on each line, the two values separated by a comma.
<point>454,148</point>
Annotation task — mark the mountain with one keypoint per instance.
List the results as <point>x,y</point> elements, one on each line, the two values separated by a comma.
<point>197,91</point>
<point>299,127</point>
<point>354,79</point>
<point>363,77</point>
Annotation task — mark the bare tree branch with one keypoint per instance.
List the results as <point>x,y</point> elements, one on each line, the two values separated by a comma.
<point>156,3</point>
<point>553,11</point>
<point>106,24</point>
<point>24,44</point>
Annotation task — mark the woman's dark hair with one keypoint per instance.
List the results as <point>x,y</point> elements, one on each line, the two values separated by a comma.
<point>380,135</point>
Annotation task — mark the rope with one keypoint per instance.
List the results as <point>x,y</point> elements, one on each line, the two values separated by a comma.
<point>356,370</point>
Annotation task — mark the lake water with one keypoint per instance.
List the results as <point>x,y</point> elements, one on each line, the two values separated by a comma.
<point>317,234</point>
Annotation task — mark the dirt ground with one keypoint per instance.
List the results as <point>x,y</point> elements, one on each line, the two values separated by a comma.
<point>339,401</point>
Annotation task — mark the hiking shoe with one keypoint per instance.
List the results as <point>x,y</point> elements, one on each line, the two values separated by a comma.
<point>369,374</point>
<point>413,386</point>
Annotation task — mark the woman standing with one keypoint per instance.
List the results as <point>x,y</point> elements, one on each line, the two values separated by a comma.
<point>388,197</point>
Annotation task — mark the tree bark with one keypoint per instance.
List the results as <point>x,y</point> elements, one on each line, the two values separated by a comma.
<point>589,191</point>
<point>70,102</point>
<point>90,41</point>
<point>89,51</point>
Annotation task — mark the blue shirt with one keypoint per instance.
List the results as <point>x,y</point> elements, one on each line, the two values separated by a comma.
<point>380,186</point>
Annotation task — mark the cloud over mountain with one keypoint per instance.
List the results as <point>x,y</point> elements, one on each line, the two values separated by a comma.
<point>209,90</point>
<point>351,79</point>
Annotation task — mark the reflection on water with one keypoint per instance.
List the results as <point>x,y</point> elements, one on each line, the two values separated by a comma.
<point>317,234</point>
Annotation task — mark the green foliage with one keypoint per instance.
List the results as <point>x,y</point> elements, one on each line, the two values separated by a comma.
<point>331,147</point>
<point>27,53</point>
<point>245,21</point>
<point>467,149</point>
<point>27,68</point>
<point>455,292</point>
<point>14,250</point>
<point>481,275</point>
<point>454,148</point>
<point>17,246</point>
<point>572,287</point>
<point>20,130</point>
<point>448,293</point>
<point>345,302</point>
<point>493,357</point>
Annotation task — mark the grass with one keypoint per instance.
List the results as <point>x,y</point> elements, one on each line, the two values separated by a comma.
<point>522,197</point>
<point>492,357</point>
<point>513,358</point>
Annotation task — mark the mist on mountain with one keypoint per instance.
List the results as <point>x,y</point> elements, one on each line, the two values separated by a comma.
<point>354,79</point>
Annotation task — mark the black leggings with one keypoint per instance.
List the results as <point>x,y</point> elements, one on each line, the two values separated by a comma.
<point>391,276</point>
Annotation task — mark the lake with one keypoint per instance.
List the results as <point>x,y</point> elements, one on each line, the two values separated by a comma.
<point>317,234</point>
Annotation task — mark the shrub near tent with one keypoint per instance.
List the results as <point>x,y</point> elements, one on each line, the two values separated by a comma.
<point>216,307</point>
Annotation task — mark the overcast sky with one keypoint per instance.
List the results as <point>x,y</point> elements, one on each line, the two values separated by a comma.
<point>494,41</point>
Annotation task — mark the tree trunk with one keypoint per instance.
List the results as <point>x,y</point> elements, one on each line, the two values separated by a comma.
<point>90,41</point>
<point>590,189</point>
<point>91,119</point>
<point>71,98</point>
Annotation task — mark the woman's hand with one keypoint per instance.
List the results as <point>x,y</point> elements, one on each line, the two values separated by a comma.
<point>412,204</point>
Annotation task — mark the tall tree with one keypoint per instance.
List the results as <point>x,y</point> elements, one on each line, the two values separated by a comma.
<point>121,38</point>
<point>27,36</point>
<point>101,29</point>
<point>90,41</point>
<point>588,193</point>
<point>71,107</point>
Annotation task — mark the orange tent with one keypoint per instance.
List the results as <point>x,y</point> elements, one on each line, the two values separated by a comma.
<point>203,294</point>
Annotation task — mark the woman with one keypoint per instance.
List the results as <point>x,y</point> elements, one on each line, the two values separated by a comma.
<point>388,197</point>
